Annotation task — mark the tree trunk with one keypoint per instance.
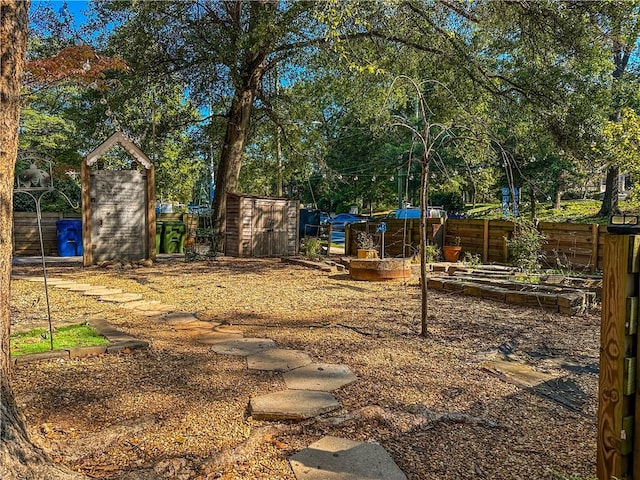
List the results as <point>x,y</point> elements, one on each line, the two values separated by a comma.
<point>19,458</point>
<point>532,196</point>
<point>231,158</point>
<point>610,200</point>
<point>239,115</point>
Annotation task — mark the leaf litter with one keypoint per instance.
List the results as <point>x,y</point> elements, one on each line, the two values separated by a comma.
<point>177,410</point>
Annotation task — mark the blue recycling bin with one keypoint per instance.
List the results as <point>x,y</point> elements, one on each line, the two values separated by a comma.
<point>69,232</point>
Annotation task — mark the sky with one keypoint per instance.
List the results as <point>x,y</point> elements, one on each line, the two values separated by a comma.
<point>75,7</point>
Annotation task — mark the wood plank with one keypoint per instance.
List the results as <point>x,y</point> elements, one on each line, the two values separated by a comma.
<point>631,324</point>
<point>629,385</point>
<point>612,404</point>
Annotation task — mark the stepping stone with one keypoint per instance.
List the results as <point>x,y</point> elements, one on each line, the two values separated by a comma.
<point>143,304</point>
<point>319,376</point>
<point>243,346</point>
<point>278,359</point>
<point>80,287</point>
<point>101,291</point>
<point>67,285</point>
<point>155,310</point>
<point>121,297</point>
<point>28,278</point>
<point>334,458</point>
<point>227,329</point>
<point>53,281</point>
<point>204,327</point>
<point>177,318</point>
<point>292,405</point>
<point>214,338</point>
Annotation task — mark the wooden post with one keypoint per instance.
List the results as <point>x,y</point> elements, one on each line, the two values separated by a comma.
<point>329,240</point>
<point>505,250</point>
<point>151,213</point>
<point>485,240</point>
<point>87,250</point>
<point>617,386</point>
<point>594,247</point>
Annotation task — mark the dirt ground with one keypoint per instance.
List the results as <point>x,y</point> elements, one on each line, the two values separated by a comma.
<point>179,410</point>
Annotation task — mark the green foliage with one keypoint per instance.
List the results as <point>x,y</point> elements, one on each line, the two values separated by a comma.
<point>365,240</point>
<point>311,247</point>
<point>525,246</point>
<point>451,201</point>
<point>432,253</point>
<point>37,339</point>
<point>472,260</point>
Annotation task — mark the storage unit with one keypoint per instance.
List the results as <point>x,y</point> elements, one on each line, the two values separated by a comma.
<point>69,235</point>
<point>261,226</point>
<point>172,237</point>
<point>159,225</point>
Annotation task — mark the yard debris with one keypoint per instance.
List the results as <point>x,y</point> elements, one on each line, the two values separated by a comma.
<point>179,410</point>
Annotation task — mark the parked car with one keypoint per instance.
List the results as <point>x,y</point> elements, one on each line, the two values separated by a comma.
<point>339,221</point>
<point>414,212</point>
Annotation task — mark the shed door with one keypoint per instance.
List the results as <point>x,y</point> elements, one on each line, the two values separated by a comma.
<point>269,228</point>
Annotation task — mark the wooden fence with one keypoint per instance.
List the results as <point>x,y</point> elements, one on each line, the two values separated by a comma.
<point>25,231</point>
<point>569,246</point>
<point>566,245</point>
<point>395,237</point>
<point>26,241</point>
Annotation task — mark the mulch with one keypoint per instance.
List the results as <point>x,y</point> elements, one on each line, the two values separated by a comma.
<point>179,410</point>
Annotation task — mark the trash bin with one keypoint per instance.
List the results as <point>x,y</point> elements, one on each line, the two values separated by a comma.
<point>69,233</point>
<point>158,235</point>
<point>172,237</point>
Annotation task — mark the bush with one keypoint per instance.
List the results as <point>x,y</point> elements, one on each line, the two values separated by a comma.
<point>452,202</point>
<point>312,248</point>
<point>525,246</point>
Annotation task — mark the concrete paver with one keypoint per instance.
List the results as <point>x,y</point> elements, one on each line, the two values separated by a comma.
<point>243,346</point>
<point>278,359</point>
<point>80,287</point>
<point>140,304</point>
<point>214,338</point>
<point>292,405</point>
<point>121,297</point>
<point>319,376</point>
<point>101,291</point>
<point>177,318</point>
<point>334,458</point>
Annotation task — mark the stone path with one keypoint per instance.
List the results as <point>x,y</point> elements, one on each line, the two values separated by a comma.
<point>308,393</point>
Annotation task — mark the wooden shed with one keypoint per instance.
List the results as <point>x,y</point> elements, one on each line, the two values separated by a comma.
<point>261,226</point>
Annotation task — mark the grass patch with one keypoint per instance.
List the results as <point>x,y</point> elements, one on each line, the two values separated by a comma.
<point>37,339</point>
<point>577,211</point>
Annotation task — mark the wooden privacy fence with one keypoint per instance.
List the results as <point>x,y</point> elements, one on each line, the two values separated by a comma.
<point>26,241</point>
<point>567,245</point>
<point>395,237</point>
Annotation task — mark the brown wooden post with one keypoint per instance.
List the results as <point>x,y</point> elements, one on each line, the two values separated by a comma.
<point>505,250</point>
<point>595,229</point>
<point>329,240</point>
<point>87,251</point>
<point>617,379</point>
<point>151,214</point>
<point>485,240</point>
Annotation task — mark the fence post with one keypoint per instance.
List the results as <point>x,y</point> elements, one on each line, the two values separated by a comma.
<point>594,246</point>
<point>618,348</point>
<point>485,240</point>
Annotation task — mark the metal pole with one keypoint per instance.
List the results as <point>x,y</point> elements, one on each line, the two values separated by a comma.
<point>44,269</point>
<point>44,263</point>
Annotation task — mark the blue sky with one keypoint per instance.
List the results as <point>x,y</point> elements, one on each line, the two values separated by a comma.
<point>75,7</point>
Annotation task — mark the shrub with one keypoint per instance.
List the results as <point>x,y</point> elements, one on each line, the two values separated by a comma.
<point>432,253</point>
<point>525,246</point>
<point>312,247</point>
